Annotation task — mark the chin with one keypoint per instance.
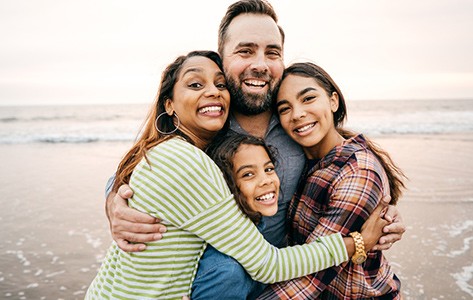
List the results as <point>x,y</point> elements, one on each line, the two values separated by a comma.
<point>215,127</point>
<point>269,212</point>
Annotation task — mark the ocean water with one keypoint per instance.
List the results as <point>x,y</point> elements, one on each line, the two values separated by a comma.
<point>118,123</point>
<point>55,161</point>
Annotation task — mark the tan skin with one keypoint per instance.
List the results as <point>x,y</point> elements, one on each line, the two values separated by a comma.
<point>258,183</point>
<point>244,51</point>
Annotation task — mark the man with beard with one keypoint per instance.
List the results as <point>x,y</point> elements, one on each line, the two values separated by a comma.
<point>251,46</point>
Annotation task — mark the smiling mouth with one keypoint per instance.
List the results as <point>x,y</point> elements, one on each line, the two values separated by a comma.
<point>210,109</point>
<point>266,197</point>
<point>255,83</point>
<point>305,128</point>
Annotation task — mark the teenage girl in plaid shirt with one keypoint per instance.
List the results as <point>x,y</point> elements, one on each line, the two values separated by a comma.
<point>345,178</point>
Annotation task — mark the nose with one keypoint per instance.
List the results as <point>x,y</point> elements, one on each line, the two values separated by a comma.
<point>212,91</point>
<point>259,63</point>
<point>298,112</point>
<point>266,179</point>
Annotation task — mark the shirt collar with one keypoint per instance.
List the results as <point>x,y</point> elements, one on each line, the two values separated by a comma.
<point>235,126</point>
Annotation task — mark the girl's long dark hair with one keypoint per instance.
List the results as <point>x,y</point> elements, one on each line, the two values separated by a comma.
<point>394,173</point>
<point>222,152</point>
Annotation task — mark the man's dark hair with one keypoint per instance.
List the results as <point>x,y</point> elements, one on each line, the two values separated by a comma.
<point>260,7</point>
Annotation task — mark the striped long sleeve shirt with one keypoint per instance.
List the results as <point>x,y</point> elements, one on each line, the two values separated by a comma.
<point>181,185</point>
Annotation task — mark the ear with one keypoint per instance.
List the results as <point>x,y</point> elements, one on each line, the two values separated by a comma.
<point>334,102</point>
<point>168,106</point>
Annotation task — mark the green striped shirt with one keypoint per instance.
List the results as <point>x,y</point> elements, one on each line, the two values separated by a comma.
<point>182,186</point>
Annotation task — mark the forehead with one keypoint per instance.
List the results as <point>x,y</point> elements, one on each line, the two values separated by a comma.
<point>198,64</point>
<point>253,28</point>
<point>297,81</point>
<point>249,154</point>
<point>294,84</point>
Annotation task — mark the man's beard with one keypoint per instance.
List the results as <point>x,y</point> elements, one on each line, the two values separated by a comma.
<point>249,104</point>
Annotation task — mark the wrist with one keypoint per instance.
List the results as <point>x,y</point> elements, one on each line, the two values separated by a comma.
<point>360,254</point>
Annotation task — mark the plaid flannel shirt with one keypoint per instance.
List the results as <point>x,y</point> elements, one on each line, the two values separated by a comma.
<point>337,194</point>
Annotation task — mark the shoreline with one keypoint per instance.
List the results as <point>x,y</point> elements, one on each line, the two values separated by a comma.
<point>55,233</point>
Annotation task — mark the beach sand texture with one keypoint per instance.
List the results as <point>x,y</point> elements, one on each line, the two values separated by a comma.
<point>54,232</point>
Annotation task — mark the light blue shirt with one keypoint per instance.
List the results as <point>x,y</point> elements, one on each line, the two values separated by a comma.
<point>289,166</point>
<point>220,276</point>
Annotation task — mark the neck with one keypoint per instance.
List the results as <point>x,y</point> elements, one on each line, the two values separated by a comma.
<point>199,141</point>
<point>330,141</point>
<point>256,125</point>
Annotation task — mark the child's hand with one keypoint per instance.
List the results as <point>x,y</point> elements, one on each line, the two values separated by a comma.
<point>372,229</point>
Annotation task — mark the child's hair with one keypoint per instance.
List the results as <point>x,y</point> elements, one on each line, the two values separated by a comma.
<point>222,152</point>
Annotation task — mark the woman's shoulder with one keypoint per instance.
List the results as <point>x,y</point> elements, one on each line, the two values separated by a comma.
<point>177,149</point>
<point>363,161</point>
<point>357,155</point>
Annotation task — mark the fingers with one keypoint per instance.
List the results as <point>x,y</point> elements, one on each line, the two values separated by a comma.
<point>387,241</point>
<point>132,215</point>
<point>134,237</point>
<point>134,242</point>
<point>386,199</point>
<point>125,191</point>
<point>395,232</point>
<point>138,233</point>
<point>392,214</point>
<point>396,227</point>
<point>128,247</point>
<point>380,209</point>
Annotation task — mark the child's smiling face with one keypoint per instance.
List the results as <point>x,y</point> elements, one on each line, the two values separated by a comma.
<point>256,178</point>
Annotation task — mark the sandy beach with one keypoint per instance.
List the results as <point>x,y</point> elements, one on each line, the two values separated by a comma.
<point>54,231</point>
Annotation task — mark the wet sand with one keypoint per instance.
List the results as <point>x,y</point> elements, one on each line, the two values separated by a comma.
<point>54,231</point>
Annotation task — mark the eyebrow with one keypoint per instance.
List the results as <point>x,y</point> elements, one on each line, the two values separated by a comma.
<point>197,70</point>
<point>252,166</point>
<point>200,70</point>
<point>306,90</point>
<point>302,92</point>
<point>254,45</point>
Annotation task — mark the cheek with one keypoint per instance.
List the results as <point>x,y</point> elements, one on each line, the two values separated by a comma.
<point>277,68</point>
<point>234,68</point>
<point>226,97</point>
<point>276,181</point>
<point>329,116</point>
<point>285,121</point>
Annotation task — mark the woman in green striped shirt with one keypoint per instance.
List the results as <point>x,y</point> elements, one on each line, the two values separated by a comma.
<point>174,180</point>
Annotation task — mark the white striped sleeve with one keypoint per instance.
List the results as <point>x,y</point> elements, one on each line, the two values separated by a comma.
<point>229,231</point>
<point>184,186</point>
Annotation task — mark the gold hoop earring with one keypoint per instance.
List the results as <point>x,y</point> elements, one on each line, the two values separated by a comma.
<point>170,132</point>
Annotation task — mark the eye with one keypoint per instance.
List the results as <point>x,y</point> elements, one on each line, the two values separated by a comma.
<point>221,86</point>
<point>283,110</point>
<point>269,169</point>
<point>247,174</point>
<point>308,98</point>
<point>274,54</point>
<point>244,51</point>
<point>195,85</point>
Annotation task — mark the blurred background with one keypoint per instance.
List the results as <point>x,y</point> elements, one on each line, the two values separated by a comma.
<point>77,78</point>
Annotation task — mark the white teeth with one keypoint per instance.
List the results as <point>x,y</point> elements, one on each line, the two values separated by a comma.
<point>255,83</point>
<point>210,109</point>
<point>265,197</point>
<point>302,129</point>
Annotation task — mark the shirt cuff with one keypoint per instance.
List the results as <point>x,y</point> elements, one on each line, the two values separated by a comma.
<point>334,242</point>
<point>109,185</point>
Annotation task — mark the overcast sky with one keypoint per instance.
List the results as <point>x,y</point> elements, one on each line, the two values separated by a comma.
<point>92,51</point>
